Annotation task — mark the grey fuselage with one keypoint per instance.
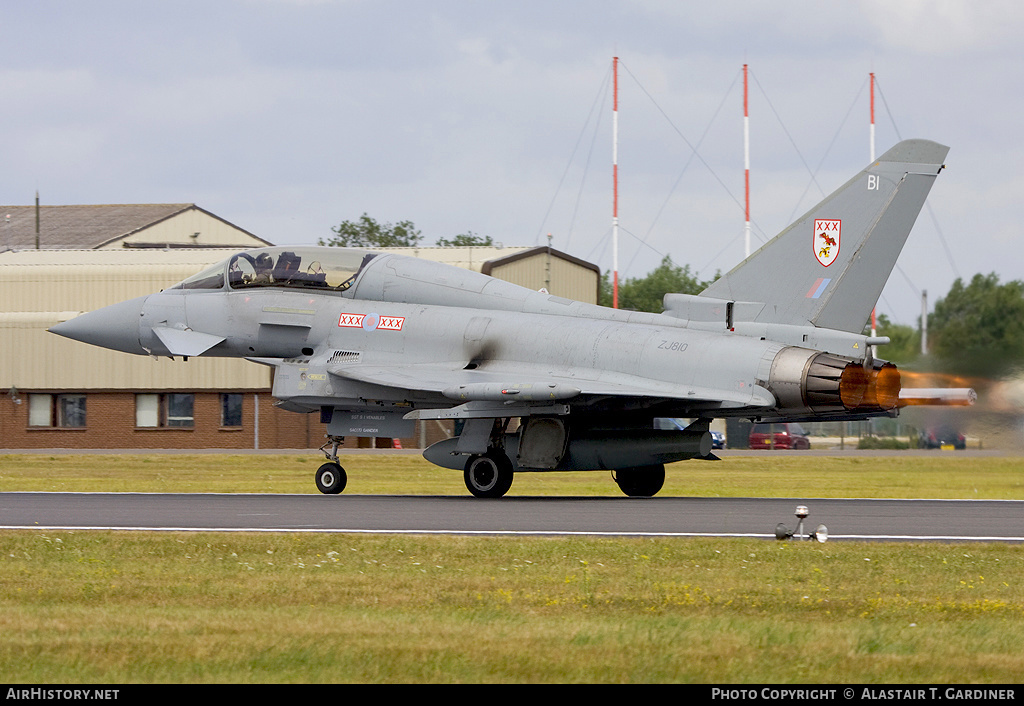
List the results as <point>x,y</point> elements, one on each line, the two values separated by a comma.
<point>437,327</point>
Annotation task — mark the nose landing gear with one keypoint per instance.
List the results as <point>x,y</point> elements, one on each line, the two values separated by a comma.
<point>330,477</point>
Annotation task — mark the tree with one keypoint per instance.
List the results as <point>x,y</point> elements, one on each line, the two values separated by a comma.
<point>367,233</point>
<point>905,341</point>
<point>646,293</point>
<point>464,240</point>
<point>978,329</point>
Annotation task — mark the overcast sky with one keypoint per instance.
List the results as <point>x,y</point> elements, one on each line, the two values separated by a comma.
<point>287,117</point>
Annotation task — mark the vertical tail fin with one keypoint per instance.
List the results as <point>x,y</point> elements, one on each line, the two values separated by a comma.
<point>829,267</point>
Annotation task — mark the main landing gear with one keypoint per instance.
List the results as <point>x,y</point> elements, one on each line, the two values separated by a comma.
<point>330,477</point>
<point>489,475</point>
<point>640,481</point>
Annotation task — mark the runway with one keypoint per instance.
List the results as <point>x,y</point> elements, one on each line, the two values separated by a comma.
<point>854,519</point>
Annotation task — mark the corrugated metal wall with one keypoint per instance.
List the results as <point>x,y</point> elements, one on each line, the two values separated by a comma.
<point>563,279</point>
<point>40,288</point>
<point>84,280</point>
<point>33,359</point>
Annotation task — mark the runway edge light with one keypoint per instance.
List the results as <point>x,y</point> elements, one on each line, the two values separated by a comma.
<point>820,533</point>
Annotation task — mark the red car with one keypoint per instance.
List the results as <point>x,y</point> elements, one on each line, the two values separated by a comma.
<point>788,435</point>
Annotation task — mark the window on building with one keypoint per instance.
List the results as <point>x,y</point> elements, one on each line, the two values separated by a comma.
<point>179,409</point>
<point>70,410</point>
<point>164,410</point>
<point>40,410</point>
<point>63,411</point>
<point>231,410</point>
<point>147,410</point>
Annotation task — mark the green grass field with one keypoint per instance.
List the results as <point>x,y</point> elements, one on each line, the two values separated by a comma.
<point>938,475</point>
<point>126,607</point>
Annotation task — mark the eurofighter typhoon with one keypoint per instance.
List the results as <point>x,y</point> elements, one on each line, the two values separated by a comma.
<point>373,341</point>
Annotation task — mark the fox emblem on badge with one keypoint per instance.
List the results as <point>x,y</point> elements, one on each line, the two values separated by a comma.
<point>826,240</point>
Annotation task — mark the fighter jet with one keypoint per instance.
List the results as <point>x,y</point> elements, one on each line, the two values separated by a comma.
<point>373,341</point>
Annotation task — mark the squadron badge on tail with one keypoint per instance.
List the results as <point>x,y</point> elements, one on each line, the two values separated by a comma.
<point>826,240</point>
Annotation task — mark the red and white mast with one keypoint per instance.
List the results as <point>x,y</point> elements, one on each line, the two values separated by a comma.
<point>746,165</point>
<point>615,183</point>
<point>871,134</point>
<point>872,129</point>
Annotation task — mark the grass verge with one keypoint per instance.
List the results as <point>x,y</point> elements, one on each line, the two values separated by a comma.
<point>210,608</point>
<point>942,475</point>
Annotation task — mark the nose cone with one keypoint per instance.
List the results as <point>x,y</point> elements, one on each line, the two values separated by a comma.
<point>115,327</point>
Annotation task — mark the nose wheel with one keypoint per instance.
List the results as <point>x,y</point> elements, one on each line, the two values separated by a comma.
<point>331,478</point>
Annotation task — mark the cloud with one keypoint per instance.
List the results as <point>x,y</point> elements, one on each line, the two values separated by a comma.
<point>289,116</point>
<point>943,27</point>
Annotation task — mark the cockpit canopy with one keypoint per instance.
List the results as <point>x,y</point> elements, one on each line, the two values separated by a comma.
<point>330,269</point>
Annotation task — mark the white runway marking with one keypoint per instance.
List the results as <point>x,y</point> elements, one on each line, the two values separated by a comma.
<point>496,533</point>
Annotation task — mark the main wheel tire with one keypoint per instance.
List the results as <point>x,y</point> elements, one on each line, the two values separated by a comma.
<point>488,475</point>
<point>331,479</point>
<point>640,481</point>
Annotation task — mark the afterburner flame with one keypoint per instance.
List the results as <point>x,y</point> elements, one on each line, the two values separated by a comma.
<point>935,396</point>
<point>870,389</point>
